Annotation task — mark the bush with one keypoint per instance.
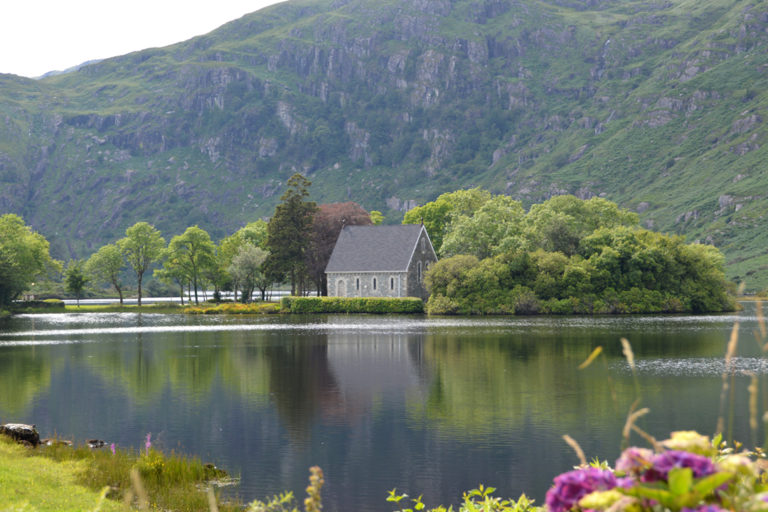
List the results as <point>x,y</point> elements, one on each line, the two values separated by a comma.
<point>442,305</point>
<point>377,305</point>
<point>38,304</point>
<point>236,308</point>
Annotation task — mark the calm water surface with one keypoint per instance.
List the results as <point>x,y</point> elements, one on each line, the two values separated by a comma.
<point>430,406</point>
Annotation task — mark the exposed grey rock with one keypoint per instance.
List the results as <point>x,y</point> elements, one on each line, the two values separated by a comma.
<point>26,434</point>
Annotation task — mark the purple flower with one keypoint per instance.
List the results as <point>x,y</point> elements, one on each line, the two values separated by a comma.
<point>112,447</point>
<point>635,460</point>
<point>704,508</point>
<point>148,442</point>
<point>570,487</point>
<point>663,463</point>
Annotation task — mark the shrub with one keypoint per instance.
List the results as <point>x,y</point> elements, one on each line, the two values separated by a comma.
<point>378,305</point>
<point>442,305</point>
<point>236,308</point>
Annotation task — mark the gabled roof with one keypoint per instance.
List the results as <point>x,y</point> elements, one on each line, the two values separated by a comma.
<point>374,248</point>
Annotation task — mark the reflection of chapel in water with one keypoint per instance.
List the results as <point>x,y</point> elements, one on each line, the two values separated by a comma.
<point>341,377</point>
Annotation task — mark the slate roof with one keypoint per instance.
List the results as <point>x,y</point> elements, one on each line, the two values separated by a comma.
<point>374,248</point>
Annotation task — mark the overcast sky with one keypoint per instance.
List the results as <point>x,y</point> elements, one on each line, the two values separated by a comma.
<point>37,36</point>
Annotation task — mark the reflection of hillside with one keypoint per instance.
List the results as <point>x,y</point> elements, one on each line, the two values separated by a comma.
<point>370,369</point>
<point>481,383</point>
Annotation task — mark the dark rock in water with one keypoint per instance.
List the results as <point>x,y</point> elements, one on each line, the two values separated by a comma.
<point>96,443</point>
<point>26,434</point>
<point>212,471</point>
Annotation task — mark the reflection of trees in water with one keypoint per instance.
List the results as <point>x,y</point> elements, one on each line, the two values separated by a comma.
<point>483,382</point>
<point>300,381</point>
<point>23,375</point>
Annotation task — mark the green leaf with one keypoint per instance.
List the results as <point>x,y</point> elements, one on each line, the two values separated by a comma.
<point>662,496</point>
<point>709,483</point>
<point>680,480</point>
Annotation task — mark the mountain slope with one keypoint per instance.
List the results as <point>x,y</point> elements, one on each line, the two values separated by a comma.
<point>656,105</point>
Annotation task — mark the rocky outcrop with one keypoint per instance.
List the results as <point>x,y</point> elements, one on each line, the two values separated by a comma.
<point>25,434</point>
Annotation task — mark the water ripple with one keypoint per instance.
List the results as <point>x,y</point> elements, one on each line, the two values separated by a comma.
<point>698,367</point>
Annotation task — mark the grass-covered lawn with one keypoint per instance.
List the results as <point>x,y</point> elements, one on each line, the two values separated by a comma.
<point>63,478</point>
<point>35,483</point>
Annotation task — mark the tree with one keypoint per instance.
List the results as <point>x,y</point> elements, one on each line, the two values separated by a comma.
<point>24,257</point>
<point>327,223</point>
<point>172,272</point>
<point>560,223</point>
<point>254,233</point>
<point>438,214</point>
<point>288,233</point>
<point>493,229</point>
<point>194,252</point>
<point>105,265</point>
<point>75,279</point>
<point>246,270</point>
<point>142,246</point>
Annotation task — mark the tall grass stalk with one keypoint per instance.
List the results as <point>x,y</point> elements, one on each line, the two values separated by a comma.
<point>727,388</point>
<point>576,448</point>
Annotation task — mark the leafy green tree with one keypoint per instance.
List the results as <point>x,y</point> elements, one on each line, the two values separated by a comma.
<point>142,246</point>
<point>254,233</point>
<point>105,265</point>
<point>194,252</point>
<point>438,214</point>
<point>560,223</point>
<point>75,279</point>
<point>246,270</point>
<point>288,233</point>
<point>496,227</point>
<point>24,257</point>
<point>172,272</point>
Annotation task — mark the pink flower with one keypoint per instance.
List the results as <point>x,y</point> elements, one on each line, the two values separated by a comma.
<point>112,447</point>
<point>148,442</point>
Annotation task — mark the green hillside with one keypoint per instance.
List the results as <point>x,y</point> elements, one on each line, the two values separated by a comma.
<point>657,105</point>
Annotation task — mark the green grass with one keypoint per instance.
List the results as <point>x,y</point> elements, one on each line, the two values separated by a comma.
<point>60,477</point>
<point>35,483</point>
<point>106,308</point>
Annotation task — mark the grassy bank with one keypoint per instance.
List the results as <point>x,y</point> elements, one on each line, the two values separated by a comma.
<point>58,306</point>
<point>65,478</point>
<point>31,482</point>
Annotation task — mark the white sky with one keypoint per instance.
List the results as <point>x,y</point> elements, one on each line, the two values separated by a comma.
<point>37,36</point>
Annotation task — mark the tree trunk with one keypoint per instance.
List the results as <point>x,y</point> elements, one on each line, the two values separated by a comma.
<point>139,281</point>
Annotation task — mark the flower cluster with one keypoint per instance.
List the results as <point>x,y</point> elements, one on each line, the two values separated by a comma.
<point>572,486</point>
<point>687,474</point>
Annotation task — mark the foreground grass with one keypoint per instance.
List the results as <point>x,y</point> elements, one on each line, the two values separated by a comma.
<point>65,478</point>
<point>38,483</point>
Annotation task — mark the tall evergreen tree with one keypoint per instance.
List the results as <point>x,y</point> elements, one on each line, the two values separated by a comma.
<point>288,233</point>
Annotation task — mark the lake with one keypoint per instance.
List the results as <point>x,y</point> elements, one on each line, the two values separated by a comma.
<point>430,406</point>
